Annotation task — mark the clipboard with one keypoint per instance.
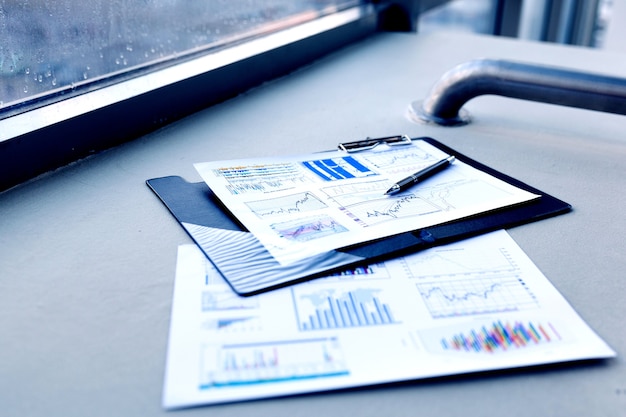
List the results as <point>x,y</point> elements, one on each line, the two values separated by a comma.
<point>250,269</point>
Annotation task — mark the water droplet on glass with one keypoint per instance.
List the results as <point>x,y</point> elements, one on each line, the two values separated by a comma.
<point>84,75</point>
<point>27,70</point>
<point>40,78</point>
<point>26,89</point>
<point>54,81</point>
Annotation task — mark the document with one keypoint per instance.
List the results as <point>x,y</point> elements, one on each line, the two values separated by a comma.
<point>302,206</point>
<point>474,305</point>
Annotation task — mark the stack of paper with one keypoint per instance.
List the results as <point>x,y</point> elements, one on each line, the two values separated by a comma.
<point>474,305</point>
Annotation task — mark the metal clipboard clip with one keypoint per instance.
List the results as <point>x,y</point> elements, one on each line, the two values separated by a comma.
<point>371,143</point>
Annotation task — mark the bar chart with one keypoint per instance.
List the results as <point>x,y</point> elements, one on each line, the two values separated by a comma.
<point>233,325</point>
<point>256,363</point>
<point>331,309</point>
<point>500,336</point>
<point>360,273</point>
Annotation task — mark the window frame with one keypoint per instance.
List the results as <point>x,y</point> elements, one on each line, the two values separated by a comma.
<point>48,137</point>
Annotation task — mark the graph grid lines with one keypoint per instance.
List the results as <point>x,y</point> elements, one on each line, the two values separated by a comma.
<point>492,294</point>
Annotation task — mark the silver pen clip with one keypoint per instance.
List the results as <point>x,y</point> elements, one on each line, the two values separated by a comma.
<point>371,143</point>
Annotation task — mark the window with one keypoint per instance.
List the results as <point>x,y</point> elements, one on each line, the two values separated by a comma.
<point>54,48</point>
<point>474,16</point>
<point>574,22</point>
<point>117,80</point>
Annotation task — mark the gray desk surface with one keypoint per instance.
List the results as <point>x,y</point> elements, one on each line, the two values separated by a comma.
<point>88,253</point>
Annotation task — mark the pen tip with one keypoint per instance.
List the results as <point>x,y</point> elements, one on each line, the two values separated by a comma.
<point>394,189</point>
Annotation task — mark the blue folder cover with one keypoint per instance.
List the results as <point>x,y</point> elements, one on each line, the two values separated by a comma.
<point>250,269</point>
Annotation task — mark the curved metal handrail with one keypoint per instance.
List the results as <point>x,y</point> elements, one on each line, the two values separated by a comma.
<point>517,80</point>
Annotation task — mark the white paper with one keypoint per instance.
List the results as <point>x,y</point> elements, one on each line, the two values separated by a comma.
<point>303,206</point>
<point>399,320</point>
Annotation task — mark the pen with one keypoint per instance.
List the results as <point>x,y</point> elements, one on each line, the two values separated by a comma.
<point>420,175</point>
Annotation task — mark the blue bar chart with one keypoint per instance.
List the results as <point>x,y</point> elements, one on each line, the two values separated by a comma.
<point>328,309</point>
<point>376,271</point>
<point>333,169</point>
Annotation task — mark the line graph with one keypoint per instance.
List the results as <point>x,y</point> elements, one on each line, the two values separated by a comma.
<point>303,230</point>
<point>386,209</point>
<point>356,192</point>
<point>397,158</point>
<point>285,205</point>
<point>459,262</point>
<point>458,193</point>
<point>344,190</point>
<point>465,281</point>
<point>496,293</point>
<point>424,200</point>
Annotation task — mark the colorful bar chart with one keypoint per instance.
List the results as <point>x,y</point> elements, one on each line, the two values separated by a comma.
<point>255,363</point>
<point>501,336</point>
<point>324,309</point>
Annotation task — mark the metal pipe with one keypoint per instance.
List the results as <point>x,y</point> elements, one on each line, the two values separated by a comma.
<point>517,80</point>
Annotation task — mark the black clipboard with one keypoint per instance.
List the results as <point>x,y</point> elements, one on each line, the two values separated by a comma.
<point>249,268</point>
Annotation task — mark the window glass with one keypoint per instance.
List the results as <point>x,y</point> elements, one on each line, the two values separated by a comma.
<point>479,16</point>
<point>475,16</point>
<point>56,46</point>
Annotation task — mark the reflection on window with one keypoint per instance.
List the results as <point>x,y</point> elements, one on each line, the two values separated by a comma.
<point>473,16</point>
<point>51,47</point>
<point>578,23</point>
